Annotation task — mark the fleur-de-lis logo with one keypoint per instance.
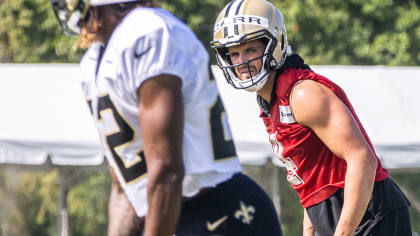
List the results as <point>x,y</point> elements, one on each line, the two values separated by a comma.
<point>245,213</point>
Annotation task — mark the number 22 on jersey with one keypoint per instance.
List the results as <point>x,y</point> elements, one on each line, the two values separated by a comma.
<point>119,134</point>
<point>118,137</point>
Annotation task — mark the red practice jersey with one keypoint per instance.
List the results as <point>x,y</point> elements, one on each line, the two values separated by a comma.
<point>313,170</point>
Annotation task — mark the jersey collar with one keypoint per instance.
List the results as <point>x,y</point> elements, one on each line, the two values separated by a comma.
<point>294,61</point>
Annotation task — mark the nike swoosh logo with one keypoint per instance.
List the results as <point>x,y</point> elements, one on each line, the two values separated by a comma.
<point>138,55</point>
<point>213,226</point>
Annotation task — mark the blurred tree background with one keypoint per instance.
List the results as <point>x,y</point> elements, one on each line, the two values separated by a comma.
<point>324,32</point>
<point>361,32</point>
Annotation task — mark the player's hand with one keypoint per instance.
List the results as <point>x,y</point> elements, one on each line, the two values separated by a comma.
<point>308,231</point>
<point>344,230</point>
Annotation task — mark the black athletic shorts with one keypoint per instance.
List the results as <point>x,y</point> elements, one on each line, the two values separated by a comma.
<point>237,207</point>
<point>386,215</point>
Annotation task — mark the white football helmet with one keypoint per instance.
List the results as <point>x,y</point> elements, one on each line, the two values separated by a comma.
<point>70,12</point>
<point>245,20</point>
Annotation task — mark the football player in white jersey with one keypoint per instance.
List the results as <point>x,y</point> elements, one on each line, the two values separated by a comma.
<point>162,124</point>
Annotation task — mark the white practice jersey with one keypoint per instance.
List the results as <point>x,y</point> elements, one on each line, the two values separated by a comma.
<point>149,42</point>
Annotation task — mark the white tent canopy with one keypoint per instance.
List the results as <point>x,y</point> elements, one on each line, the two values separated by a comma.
<point>43,114</point>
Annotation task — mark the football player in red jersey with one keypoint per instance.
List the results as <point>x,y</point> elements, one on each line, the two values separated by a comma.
<point>162,125</point>
<point>312,127</point>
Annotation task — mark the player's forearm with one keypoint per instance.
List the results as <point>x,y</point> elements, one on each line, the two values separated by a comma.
<point>161,115</point>
<point>308,229</point>
<point>165,172</point>
<point>164,189</point>
<point>360,177</point>
<point>164,197</point>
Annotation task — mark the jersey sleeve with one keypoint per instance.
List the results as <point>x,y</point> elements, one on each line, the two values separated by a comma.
<point>160,52</point>
<point>87,67</point>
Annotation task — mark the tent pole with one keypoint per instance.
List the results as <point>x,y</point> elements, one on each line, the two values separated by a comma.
<point>63,218</point>
<point>276,189</point>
